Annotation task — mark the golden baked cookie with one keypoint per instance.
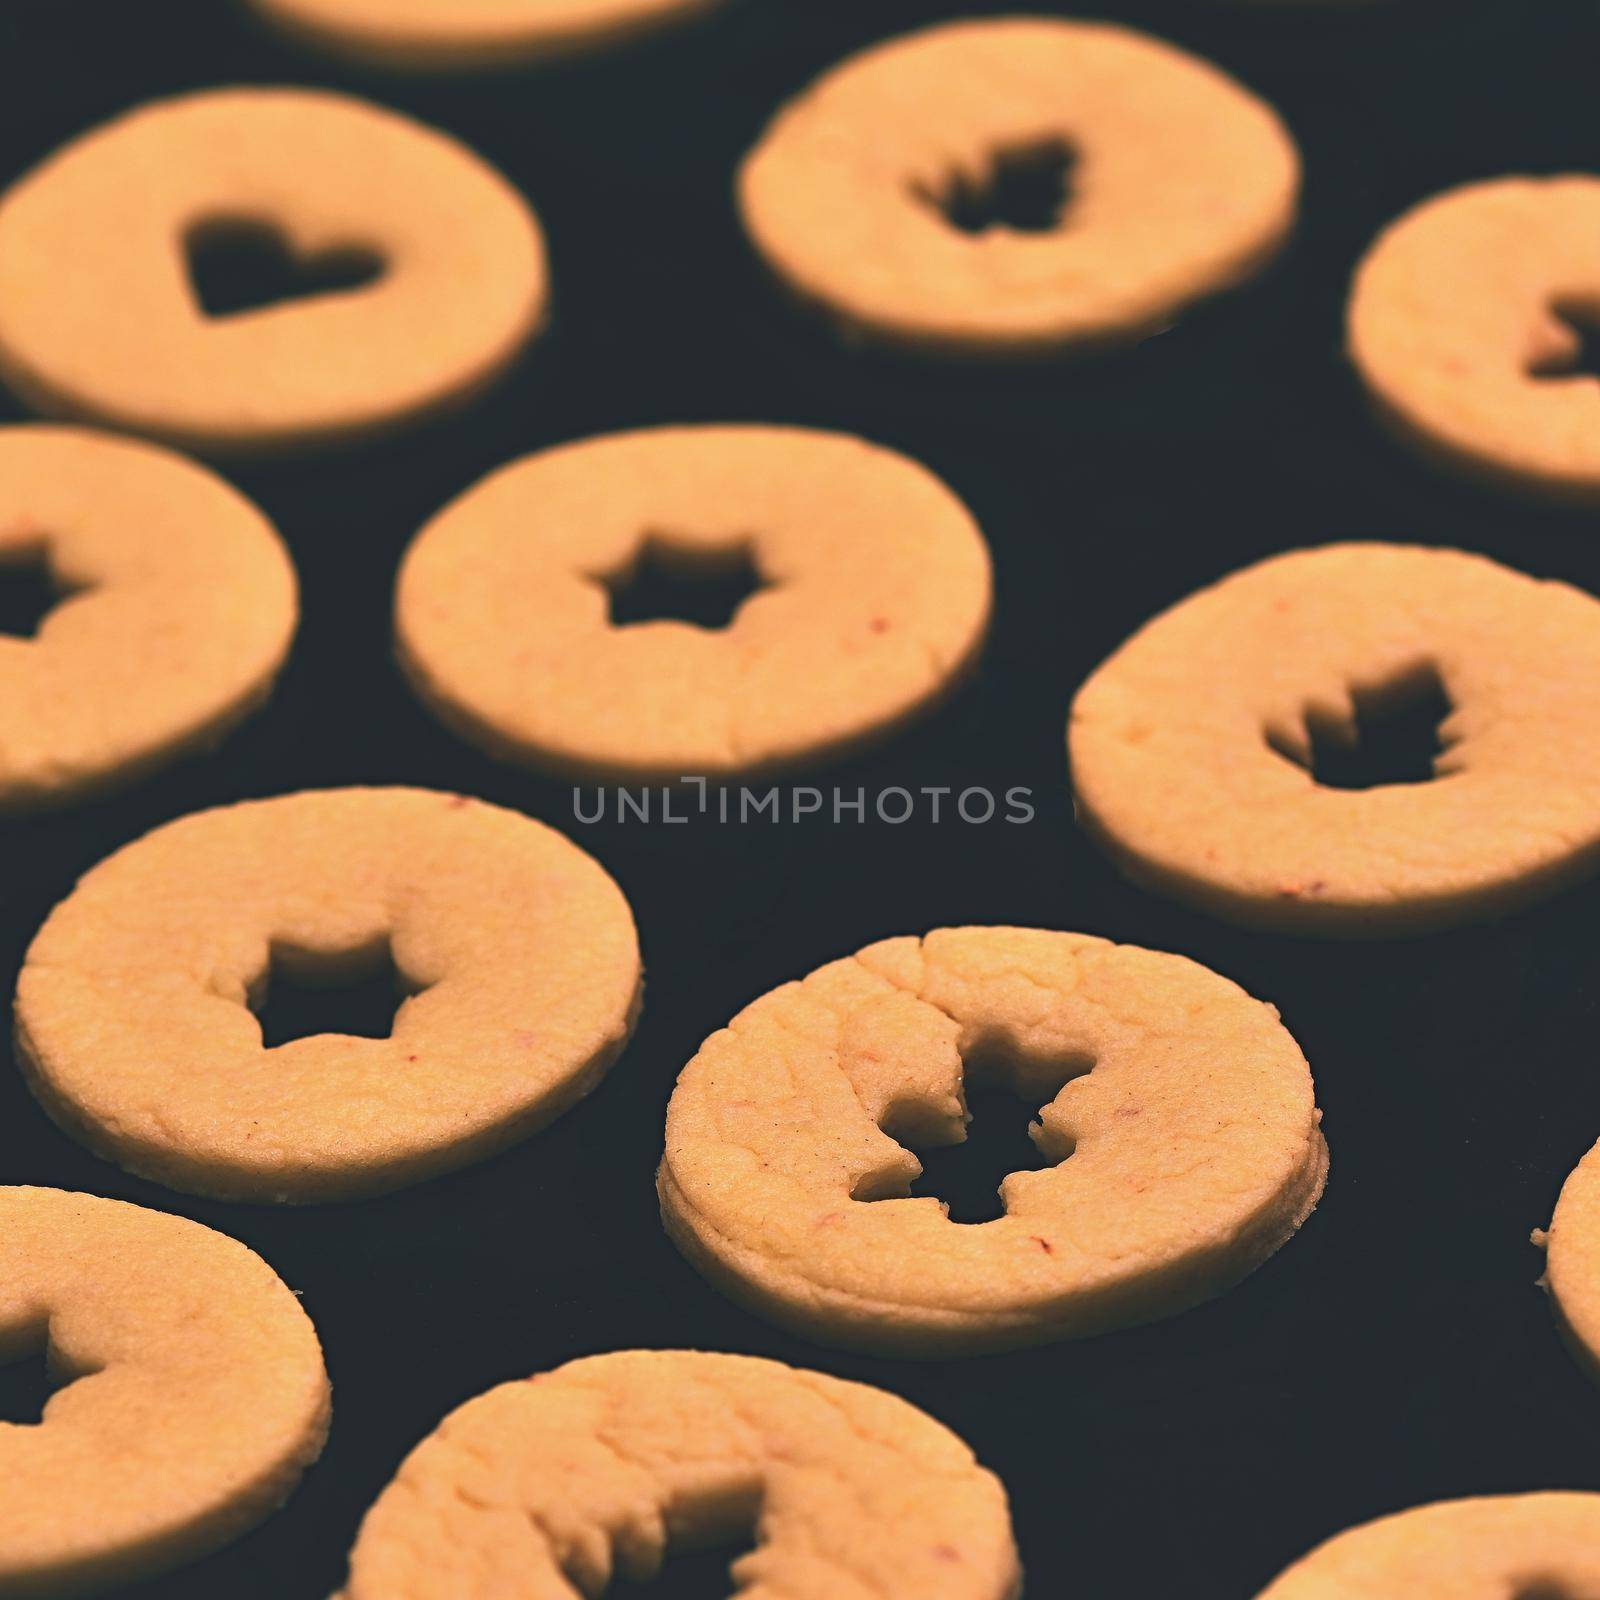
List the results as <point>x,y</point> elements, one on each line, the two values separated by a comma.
<point>873,195</point>
<point>1455,325</point>
<point>1191,746</point>
<point>133,1016</point>
<point>1500,1547</point>
<point>119,335</point>
<point>195,1393</point>
<point>472,33</point>
<point>1187,1155</point>
<point>548,1487</point>
<point>875,598</point>
<point>1572,1269</point>
<point>170,581</point>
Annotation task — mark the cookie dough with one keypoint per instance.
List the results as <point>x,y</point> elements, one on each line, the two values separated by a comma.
<point>1179,1110</point>
<point>194,1392</point>
<point>1456,327</point>
<point>117,334</point>
<point>1520,1547</point>
<point>1572,1273</point>
<point>472,33</point>
<point>548,1487</point>
<point>875,599</point>
<point>1190,746</point>
<point>134,1023</point>
<point>1178,183</point>
<point>170,581</point>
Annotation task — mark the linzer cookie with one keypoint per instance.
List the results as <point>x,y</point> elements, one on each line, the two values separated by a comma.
<point>190,1392</point>
<point>1185,1107</point>
<point>1151,181</point>
<point>566,1482</point>
<point>516,952</point>
<point>872,595</point>
<point>176,605</point>
<point>120,335</point>
<point>1195,746</point>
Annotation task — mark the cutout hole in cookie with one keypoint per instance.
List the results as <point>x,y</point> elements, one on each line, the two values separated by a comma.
<point>1023,188</point>
<point>355,995</point>
<point>698,1558</point>
<point>240,264</point>
<point>1003,1135</point>
<point>28,1381</point>
<point>1543,1589</point>
<point>29,592</point>
<point>1582,361</point>
<point>662,587</point>
<point>1395,737</point>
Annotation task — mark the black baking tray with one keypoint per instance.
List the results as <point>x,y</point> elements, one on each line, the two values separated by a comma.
<point>1397,1351</point>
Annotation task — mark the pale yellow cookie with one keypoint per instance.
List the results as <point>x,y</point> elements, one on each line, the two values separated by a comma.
<point>472,33</point>
<point>1501,1547</point>
<point>194,1392</point>
<point>133,1016</point>
<point>1179,1111</point>
<point>178,606</point>
<point>99,318</point>
<point>1178,183</point>
<point>874,600</point>
<point>1454,327</point>
<point>548,1488</point>
<point>1191,745</point>
<point>1572,1272</point>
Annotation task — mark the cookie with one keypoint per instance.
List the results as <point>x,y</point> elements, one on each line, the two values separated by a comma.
<point>1521,1547</point>
<point>119,335</point>
<point>1572,1272</point>
<point>874,600</point>
<point>1192,745</point>
<point>877,194</point>
<point>472,33</point>
<point>1178,1111</point>
<point>194,1395</point>
<point>1455,325</point>
<point>548,1487</point>
<point>133,1016</point>
<point>169,580</point>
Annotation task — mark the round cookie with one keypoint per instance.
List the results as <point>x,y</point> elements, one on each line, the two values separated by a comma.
<point>1191,745</point>
<point>472,33</point>
<point>1187,1155</point>
<point>1455,327</point>
<point>195,1393</point>
<point>866,194</point>
<point>133,1019</point>
<point>1572,1271</point>
<point>120,336</point>
<point>1500,1547</point>
<point>875,598</point>
<point>169,579</point>
<point>550,1486</point>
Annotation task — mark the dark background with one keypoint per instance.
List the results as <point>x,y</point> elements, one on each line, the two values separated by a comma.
<point>1398,1350</point>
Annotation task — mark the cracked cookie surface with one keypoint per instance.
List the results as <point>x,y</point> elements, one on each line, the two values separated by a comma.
<point>472,33</point>
<point>192,1394</point>
<point>133,1015</point>
<point>1179,1110</point>
<point>1521,1546</point>
<point>165,577</point>
<point>1458,324</point>
<point>119,335</point>
<point>873,599</point>
<point>1192,745</point>
<point>1179,183</point>
<point>552,1486</point>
